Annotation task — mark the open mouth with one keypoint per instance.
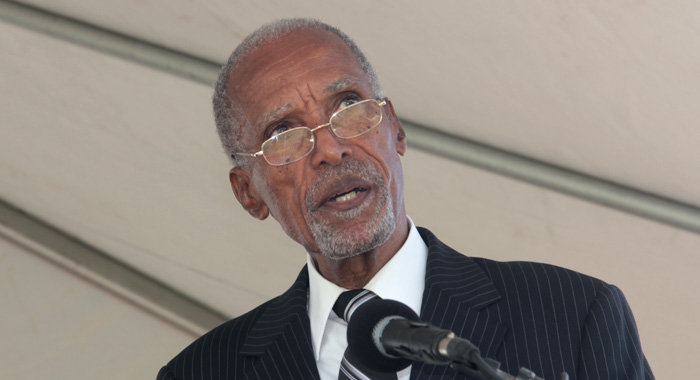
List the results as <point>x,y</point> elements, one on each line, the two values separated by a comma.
<point>348,195</point>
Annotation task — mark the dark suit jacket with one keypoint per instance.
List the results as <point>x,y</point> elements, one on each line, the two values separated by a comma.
<point>522,314</point>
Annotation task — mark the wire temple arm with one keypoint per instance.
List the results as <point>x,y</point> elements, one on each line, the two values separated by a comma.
<point>256,154</point>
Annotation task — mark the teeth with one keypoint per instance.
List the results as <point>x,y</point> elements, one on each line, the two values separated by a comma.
<point>346,196</point>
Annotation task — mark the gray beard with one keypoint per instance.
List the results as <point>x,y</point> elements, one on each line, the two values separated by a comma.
<point>338,244</point>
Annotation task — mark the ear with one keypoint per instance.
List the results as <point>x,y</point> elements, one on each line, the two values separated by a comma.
<point>246,194</point>
<point>398,129</point>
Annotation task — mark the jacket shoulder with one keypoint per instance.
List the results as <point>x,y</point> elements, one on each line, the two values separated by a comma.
<point>507,274</point>
<point>215,354</point>
<point>512,277</point>
<point>229,350</point>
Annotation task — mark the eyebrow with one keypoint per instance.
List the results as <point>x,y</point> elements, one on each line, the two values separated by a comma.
<point>343,83</point>
<point>273,115</point>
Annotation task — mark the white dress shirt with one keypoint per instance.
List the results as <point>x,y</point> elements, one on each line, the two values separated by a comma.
<point>401,279</point>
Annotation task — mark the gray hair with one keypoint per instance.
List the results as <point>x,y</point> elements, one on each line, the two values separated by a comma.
<point>228,112</point>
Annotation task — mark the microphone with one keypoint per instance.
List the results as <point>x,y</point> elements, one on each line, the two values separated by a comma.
<point>386,335</point>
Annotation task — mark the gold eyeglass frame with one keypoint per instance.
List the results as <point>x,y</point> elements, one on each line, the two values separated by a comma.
<point>380,102</point>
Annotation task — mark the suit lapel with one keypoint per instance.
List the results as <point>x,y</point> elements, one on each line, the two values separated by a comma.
<point>281,337</point>
<point>457,297</point>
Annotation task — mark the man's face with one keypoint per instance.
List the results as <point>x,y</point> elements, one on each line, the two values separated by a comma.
<point>346,196</point>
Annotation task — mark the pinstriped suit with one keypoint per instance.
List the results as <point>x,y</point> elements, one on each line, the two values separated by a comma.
<point>542,317</point>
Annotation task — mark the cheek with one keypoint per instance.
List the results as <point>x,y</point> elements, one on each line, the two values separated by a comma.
<point>375,140</point>
<point>287,196</point>
<point>384,142</point>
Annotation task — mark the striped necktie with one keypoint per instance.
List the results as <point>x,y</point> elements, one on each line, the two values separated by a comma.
<point>350,368</point>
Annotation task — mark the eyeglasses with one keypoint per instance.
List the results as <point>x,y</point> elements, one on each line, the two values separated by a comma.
<point>296,143</point>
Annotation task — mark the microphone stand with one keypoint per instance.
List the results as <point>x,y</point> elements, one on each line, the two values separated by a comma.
<point>397,336</point>
<point>467,359</point>
<point>496,374</point>
<point>402,336</point>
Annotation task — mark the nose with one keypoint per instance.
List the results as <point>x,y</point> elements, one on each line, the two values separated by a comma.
<point>329,148</point>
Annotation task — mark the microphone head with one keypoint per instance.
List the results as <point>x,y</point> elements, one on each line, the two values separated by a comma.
<point>361,340</point>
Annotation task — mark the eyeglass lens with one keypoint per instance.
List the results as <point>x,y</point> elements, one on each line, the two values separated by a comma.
<point>296,143</point>
<point>356,119</point>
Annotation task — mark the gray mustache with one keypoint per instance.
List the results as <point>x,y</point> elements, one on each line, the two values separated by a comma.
<point>332,175</point>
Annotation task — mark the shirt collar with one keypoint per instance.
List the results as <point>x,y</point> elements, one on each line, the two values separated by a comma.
<point>401,279</point>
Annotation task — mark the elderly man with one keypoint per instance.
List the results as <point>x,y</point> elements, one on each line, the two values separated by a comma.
<point>315,145</point>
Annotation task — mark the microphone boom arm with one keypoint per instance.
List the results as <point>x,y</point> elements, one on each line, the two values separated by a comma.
<point>404,338</point>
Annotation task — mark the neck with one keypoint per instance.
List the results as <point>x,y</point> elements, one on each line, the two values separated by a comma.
<point>355,272</point>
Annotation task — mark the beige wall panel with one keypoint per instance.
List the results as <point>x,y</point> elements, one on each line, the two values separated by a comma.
<point>608,88</point>
<point>55,325</point>
<point>127,158</point>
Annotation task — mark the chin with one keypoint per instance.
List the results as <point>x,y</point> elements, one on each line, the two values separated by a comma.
<point>341,233</point>
<point>343,243</point>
